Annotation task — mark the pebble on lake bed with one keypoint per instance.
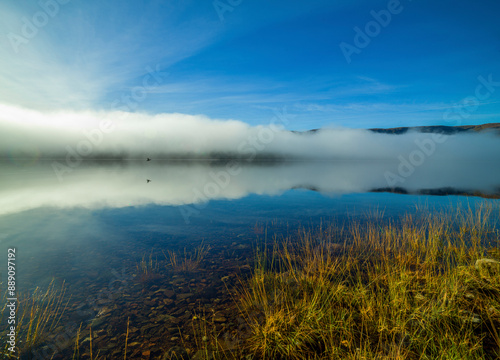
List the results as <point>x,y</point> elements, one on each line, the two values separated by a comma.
<point>488,267</point>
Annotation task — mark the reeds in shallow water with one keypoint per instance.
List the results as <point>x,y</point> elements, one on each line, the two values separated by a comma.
<point>381,291</point>
<point>187,261</point>
<point>148,268</point>
<point>37,316</point>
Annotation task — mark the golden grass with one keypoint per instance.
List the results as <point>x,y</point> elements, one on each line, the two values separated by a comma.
<point>187,261</point>
<point>76,348</point>
<point>377,291</point>
<point>126,340</point>
<point>37,315</point>
<point>212,343</point>
<point>148,268</point>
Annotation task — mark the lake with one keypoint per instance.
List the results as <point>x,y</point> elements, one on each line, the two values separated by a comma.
<point>111,232</point>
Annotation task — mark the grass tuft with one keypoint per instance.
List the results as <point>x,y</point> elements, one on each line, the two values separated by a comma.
<point>407,290</point>
<point>187,261</point>
<point>37,316</point>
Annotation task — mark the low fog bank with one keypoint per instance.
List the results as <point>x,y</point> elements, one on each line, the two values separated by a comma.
<point>119,135</point>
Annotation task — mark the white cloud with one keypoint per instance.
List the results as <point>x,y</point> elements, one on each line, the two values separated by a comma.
<point>139,134</point>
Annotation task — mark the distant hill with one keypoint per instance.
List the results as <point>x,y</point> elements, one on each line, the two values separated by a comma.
<point>445,191</point>
<point>441,129</point>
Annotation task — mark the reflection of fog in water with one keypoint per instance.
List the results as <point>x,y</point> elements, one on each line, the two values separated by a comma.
<point>115,185</point>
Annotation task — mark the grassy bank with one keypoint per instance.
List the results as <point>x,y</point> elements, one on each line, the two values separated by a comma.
<point>412,290</point>
<point>37,316</point>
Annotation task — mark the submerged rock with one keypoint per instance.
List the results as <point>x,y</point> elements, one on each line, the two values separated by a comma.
<point>219,319</point>
<point>468,316</point>
<point>488,267</point>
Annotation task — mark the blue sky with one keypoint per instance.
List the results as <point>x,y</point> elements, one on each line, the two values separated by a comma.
<point>250,58</point>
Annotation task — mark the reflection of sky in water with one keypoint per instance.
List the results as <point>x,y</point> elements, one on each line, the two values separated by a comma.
<point>101,185</point>
<point>103,217</point>
<point>69,244</point>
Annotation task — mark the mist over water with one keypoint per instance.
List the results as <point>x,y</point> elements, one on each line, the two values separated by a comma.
<point>157,158</point>
<point>98,159</point>
<point>76,136</point>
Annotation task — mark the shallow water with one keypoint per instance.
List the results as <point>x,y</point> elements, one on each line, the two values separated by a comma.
<point>89,226</point>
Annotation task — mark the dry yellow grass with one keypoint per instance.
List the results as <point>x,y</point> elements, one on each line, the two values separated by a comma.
<point>37,315</point>
<point>187,261</point>
<point>378,291</point>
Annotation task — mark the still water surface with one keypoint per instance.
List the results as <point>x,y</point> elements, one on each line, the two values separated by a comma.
<point>90,226</point>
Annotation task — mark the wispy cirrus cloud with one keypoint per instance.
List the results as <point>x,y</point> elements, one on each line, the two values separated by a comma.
<point>86,52</point>
<point>261,57</point>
